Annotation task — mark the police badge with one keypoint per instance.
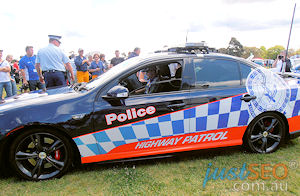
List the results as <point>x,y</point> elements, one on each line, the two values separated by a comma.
<point>272,92</point>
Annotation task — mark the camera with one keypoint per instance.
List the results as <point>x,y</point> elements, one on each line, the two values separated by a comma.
<point>24,88</point>
<point>280,57</point>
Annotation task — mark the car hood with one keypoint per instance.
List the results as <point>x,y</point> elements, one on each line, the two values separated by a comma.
<point>34,97</point>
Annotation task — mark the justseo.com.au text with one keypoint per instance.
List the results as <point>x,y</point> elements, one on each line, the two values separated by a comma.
<point>261,186</point>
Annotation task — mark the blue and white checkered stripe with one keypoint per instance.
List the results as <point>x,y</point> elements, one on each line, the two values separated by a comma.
<point>87,145</point>
<point>226,113</point>
<point>293,107</point>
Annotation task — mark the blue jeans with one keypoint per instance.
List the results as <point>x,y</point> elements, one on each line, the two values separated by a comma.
<point>7,87</point>
<point>13,86</point>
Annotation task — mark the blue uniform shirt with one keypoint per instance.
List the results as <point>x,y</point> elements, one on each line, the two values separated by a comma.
<point>79,65</point>
<point>151,86</point>
<point>52,58</point>
<point>133,54</point>
<point>29,63</point>
<point>95,65</point>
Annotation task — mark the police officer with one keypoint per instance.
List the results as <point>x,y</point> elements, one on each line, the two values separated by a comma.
<point>51,64</point>
<point>152,86</point>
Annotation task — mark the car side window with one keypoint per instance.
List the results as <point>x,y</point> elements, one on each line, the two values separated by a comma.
<point>212,73</point>
<point>245,71</point>
<point>155,78</point>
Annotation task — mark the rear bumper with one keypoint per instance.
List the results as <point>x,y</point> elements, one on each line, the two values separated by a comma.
<point>295,134</point>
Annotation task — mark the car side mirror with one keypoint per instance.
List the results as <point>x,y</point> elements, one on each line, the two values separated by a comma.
<point>116,95</point>
<point>118,92</point>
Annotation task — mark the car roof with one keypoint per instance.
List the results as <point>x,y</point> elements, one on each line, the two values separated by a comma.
<point>133,63</point>
<point>170,55</point>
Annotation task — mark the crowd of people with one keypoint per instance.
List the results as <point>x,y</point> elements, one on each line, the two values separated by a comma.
<point>51,67</point>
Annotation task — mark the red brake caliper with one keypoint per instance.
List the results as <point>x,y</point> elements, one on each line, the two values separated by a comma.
<point>268,123</point>
<point>57,155</point>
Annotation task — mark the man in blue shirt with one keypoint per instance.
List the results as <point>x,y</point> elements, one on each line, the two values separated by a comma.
<point>51,64</point>
<point>82,67</point>
<point>28,61</point>
<point>135,53</point>
<point>141,75</point>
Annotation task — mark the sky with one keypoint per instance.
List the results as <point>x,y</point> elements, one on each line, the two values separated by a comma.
<point>107,25</point>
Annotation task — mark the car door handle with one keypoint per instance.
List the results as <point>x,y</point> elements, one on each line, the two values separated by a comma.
<point>176,105</point>
<point>247,98</point>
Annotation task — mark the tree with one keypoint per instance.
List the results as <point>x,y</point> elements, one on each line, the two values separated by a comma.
<point>252,50</point>
<point>263,52</point>
<point>297,51</point>
<point>292,52</point>
<point>222,50</point>
<point>235,48</point>
<point>273,52</point>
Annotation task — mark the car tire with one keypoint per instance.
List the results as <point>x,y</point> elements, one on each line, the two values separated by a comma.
<point>40,154</point>
<point>265,134</point>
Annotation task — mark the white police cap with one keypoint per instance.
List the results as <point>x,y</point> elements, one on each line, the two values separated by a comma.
<point>56,37</point>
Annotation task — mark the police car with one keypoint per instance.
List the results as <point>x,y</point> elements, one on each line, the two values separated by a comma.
<point>179,100</point>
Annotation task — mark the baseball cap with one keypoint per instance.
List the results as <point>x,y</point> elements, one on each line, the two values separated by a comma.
<point>80,49</point>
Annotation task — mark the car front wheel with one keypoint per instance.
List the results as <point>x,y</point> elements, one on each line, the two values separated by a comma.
<point>40,154</point>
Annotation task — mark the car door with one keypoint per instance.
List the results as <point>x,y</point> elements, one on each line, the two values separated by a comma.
<point>220,116</point>
<point>157,118</point>
<point>141,124</point>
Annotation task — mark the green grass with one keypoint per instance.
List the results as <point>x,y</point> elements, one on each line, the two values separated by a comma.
<point>180,175</point>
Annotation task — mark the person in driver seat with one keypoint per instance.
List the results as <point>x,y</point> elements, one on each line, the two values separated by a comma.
<point>152,74</point>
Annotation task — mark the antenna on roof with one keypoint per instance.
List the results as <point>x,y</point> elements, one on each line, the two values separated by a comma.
<point>287,47</point>
<point>187,32</point>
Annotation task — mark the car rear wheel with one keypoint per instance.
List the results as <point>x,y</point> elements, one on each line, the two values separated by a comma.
<point>40,154</point>
<point>265,134</point>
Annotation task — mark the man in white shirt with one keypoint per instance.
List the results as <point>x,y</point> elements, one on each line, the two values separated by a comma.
<point>279,62</point>
<point>4,78</point>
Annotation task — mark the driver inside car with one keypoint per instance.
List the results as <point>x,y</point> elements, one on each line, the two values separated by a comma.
<point>152,75</point>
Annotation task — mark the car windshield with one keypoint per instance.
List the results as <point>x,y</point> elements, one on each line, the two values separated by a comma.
<point>112,72</point>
